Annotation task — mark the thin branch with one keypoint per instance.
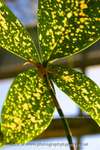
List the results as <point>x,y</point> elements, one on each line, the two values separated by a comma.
<point>64,121</point>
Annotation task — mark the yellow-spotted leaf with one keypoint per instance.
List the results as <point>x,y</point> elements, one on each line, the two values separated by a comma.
<point>13,36</point>
<point>67,27</point>
<point>82,90</point>
<point>1,137</point>
<point>28,109</point>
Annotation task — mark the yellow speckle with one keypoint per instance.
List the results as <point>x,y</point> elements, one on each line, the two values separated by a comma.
<point>81,26</point>
<point>19,128</point>
<point>58,1</point>
<point>66,72</point>
<point>53,14</point>
<point>84,91</point>
<point>40,37</point>
<point>93,27</point>
<point>17,120</point>
<point>77,30</point>
<point>83,5</point>
<point>49,32</point>
<point>54,45</point>
<point>75,13</point>
<point>67,78</point>
<point>33,119</point>
<point>67,46</point>
<point>3,22</point>
<point>40,85</point>
<point>69,15</point>
<point>97,19</point>
<point>12,126</point>
<point>25,106</point>
<point>82,14</point>
<point>0,4</point>
<point>37,95</point>
<point>62,13</point>
<point>86,98</point>
<point>53,41</point>
<point>82,20</point>
<point>62,29</point>
<point>65,21</point>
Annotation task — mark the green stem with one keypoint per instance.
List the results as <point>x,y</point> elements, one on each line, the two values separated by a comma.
<point>64,121</point>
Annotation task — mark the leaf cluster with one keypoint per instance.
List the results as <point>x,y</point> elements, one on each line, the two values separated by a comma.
<point>64,28</point>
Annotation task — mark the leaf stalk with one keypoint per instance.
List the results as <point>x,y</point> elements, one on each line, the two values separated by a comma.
<point>64,121</point>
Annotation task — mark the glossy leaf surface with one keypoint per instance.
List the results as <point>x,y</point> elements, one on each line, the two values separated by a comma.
<point>82,90</point>
<point>28,109</point>
<point>13,36</point>
<point>67,27</point>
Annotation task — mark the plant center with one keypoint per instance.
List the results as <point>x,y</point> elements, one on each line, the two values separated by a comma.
<point>42,70</point>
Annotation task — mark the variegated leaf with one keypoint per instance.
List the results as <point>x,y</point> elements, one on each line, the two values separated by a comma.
<point>1,137</point>
<point>67,27</point>
<point>13,36</point>
<point>28,109</point>
<point>82,90</point>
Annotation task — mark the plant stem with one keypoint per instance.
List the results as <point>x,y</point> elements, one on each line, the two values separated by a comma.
<point>64,121</point>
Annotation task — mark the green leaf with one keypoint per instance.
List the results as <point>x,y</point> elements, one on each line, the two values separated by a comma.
<point>82,90</point>
<point>1,137</point>
<point>67,27</point>
<point>28,109</point>
<point>13,36</point>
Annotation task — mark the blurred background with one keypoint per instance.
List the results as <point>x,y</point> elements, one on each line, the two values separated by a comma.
<point>86,134</point>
